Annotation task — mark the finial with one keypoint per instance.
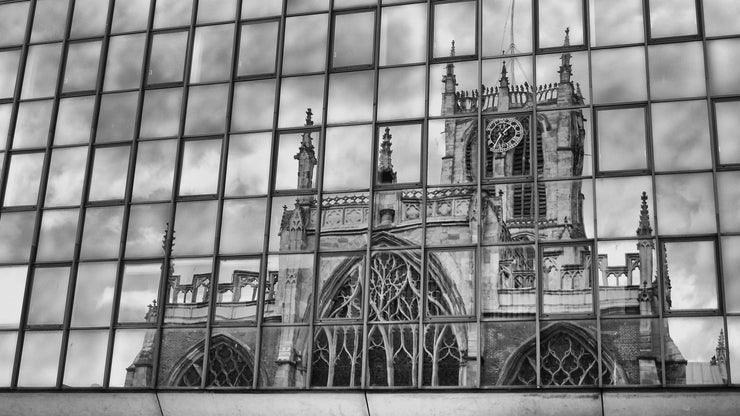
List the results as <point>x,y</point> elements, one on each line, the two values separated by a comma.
<point>452,49</point>
<point>309,113</point>
<point>644,229</point>
<point>567,37</point>
<point>386,174</point>
<point>504,80</point>
<point>721,340</point>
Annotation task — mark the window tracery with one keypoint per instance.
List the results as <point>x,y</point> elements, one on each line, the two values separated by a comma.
<point>229,365</point>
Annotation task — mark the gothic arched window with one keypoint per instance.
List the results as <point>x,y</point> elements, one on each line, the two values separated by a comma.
<point>229,365</point>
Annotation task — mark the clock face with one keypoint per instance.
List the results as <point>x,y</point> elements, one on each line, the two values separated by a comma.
<point>504,134</point>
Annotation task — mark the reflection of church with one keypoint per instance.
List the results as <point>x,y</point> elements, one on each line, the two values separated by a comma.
<point>400,350</point>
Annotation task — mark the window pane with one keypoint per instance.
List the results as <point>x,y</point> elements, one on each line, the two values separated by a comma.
<point>729,200</point>
<point>497,15</point>
<point>117,116</point>
<point>16,231</point>
<point>93,294</point>
<point>66,176</point>
<point>169,13</point>
<point>626,270</point>
<point>502,341</point>
<point>673,65</point>
<point>555,16</point>
<point>58,230</point>
<point>454,22</point>
<point>728,126</point>
<point>730,267</point>
<point>24,176</point>
<point>356,106</point>
<point>42,68</point>
<point>8,72</point>
<point>85,365</point>
<point>109,173</point>
<point>147,225</point>
<point>89,18</point>
<point>101,236</point>
<point>215,10</point>
<point>255,9</point>
<point>724,54</point>
<point>32,126</point>
<point>206,109</point>
<point>401,93</point>
<point>614,23</point>
<point>7,348</point>
<point>74,120</point>
<point>212,53</point>
<point>167,57</point>
<point>339,212</point>
<point>457,93</point>
<point>621,139</point>
<point>176,343</point>
<point>188,291</point>
<point>718,17</point>
<point>298,94</point>
<point>161,114</point>
<point>566,279</point>
<point>347,158</point>
<point>5,111</point>
<point>507,146</point>
<point>461,277</point>
<point>14,283</point>
<point>296,161</point>
<point>672,18</point>
<point>248,164</point>
<point>578,159</point>
<point>139,291</point>
<point>353,39</point>
<point>403,31</point>
<point>257,48</point>
<point>155,169</point>
<point>195,227</point>
<point>125,54</point>
<point>48,296</point>
<point>733,339</point>
<point>619,75</point>
<point>40,359</point>
<point>397,209</point>
<point>399,151</point>
<point>618,205</point>
<point>681,136</point>
<point>49,20</point>
<point>298,6</point>
<point>130,15</point>
<point>685,204</point>
<point>692,342</point>
<point>81,72</point>
<point>305,44</point>
<point>253,106</point>
<point>127,347</point>
<point>200,167</point>
<point>283,210</point>
<point>287,266</point>
<point>691,274</point>
<point>568,83</point>
<point>242,218</point>
<point>13,17</point>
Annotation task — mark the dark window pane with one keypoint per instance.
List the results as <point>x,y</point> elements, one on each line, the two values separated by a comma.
<point>292,208</point>
<point>621,139</point>
<point>125,54</point>
<point>161,114</point>
<point>248,164</point>
<point>724,54</point>
<point>353,39</point>
<point>401,93</point>
<point>74,120</point>
<point>355,106</point>
<point>32,125</point>
<point>305,44</point>
<point>618,205</point>
<point>206,109</point>
<point>167,57</point>
<point>298,94</point>
<point>619,75</point>
<point>399,151</point>
<point>342,211</point>
<point>502,341</point>
<point>403,31</point>
<point>42,69</point>
<point>101,236</point>
<point>687,344</point>
<point>681,136</point>
<point>559,83</point>
<point>347,158</point>
<point>685,204</point>
<point>296,160</point>
<point>49,20</point>
<point>242,218</point>
<point>215,10</point>
<point>16,230</point>
<point>287,267</point>
<point>89,18</point>
<point>730,266</point>
<point>81,72</point>
<point>169,13</point>
<point>566,279</point>
<point>255,9</point>
<point>729,200</point>
<point>117,116</point>
<point>238,282</point>
<point>638,366</point>
<point>188,291</point>
<point>460,278</point>
<point>614,23</point>
<point>58,230</point>
<point>457,93</point>
<point>253,106</point>
<point>673,65</point>
<point>626,272</point>
<point>155,169</point>
<point>195,228</point>
<point>130,15</point>
<point>257,48</point>
<point>48,296</point>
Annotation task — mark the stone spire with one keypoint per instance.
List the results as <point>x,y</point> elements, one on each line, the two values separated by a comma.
<point>306,156</point>
<point>503,80</point>
<point>452,49</point>
<point>449,101</point>
<point>503,90</point>
<point>565,70</point>
<point>386,174</point>
<point>644,230</point>
<point>666,279</point>
<point>720,357</point>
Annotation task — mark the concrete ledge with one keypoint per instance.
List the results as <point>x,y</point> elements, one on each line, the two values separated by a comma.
<point>484,403</point>
<point>264,404</point>
<point>694,403</point>
<point>78,404</point>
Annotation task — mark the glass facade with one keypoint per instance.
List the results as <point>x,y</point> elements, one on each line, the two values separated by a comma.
<point>354,194</point>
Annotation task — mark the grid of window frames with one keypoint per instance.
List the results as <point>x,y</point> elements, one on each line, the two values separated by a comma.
<point>354,194</point>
